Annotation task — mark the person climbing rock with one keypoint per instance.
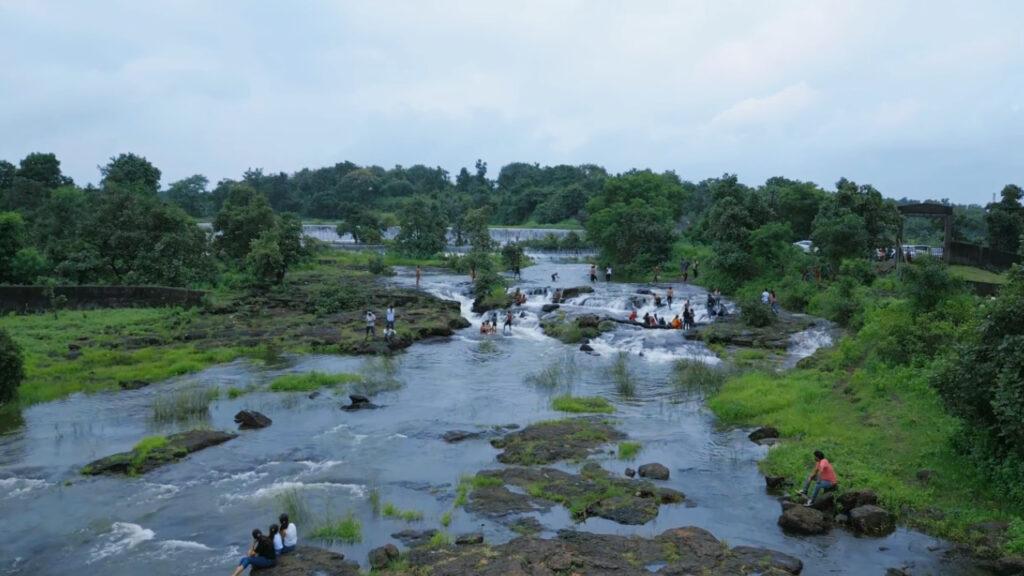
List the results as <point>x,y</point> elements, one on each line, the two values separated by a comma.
<point>823,474</point>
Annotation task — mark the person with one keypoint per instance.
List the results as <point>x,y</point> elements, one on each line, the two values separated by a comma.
<point>687,318</point>
<point>608,274</point>
<point>472,272</point>
<point>657,299</point>
<point>556,298</point>
<point>389,335</point>
<point>773,300</point>
<point>371,325</point>
<point>485,327</point>
<point>719,305</point>
<point>289,534</point>
<point>593,272</point>
<point>554,276</point>
<point>389,317</point>
<point>647,318</point>
<point>765,296</point>
<point>261,554</point>
<point>418,274</point>
<point>275,537</point>
<point>661,322</point>
<point>824,474</point>
<point>657,272</point>
<point>517,272</point>
<point>695,263</point>
<point>494,319</point>
<point>507,328</point>
<point>632,315</point>
<point>710,305</point>
<point>677,323</point>
<point>669,296</point>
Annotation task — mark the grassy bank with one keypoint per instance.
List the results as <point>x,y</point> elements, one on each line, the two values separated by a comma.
<point>880,426</point>
<point>972,274</point>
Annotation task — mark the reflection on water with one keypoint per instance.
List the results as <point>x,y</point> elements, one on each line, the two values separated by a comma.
<point>194,517</point>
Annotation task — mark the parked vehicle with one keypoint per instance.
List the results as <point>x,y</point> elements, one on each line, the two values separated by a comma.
<point>805,245</point>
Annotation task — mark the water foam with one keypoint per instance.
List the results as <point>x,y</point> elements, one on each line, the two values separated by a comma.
<point>15,487</point>
<point>123,536</point>
<point>277,488</point>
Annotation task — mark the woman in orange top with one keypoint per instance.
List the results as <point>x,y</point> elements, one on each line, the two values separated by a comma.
<point>825,475</point>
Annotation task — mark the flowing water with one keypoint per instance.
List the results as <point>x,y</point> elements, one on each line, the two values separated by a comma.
<point>194,516</point>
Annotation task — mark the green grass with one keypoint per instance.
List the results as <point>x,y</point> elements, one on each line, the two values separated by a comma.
<point>309,381</point>
<point>348,530</point>
<point>469,483</point>
<point>973,274</point>
<point>621,375</point>
<point>144,448</point>
<point>184,405</point>
<point>878,426</point>
<point>446,519</point>
<point>629,450</point>
<point>440,539</point>
<point>698,378</point>
<point>582,404</point>
<point>559,373</point>
<point>293,504</point>
<point>392,511</point>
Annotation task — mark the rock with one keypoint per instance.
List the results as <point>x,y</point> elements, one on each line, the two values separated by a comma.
<point>803,520</point>
<point>990,535</point>
<point>551,441</point>
<point>653,471</point>
<point>870,520</point>
<point>526,525</point>
<point>359,402</point>
<point>630,472</point>
<point>569,293</point>
<point>132,384</point>
<point>852,499</point>
<point>825,503</point>
<point>306,560</point>
<point>897,572</point>
<point>644,291</point>
<point>549,308</point>
<point>469,539</point>
<point>252,420</point>
<point>314,395</point>
<point>841,519</point>
<point>768,558</point>
<point>769,442</point>
<point>628,510</point>
<point>177,447</point>
<point>925,475</point>
<point>381,557</point>
<point>775,483</point>
<point>762,433</point>
<point>1010,566</point>
<point>414,538</point>
<point>586,348</point>
<point>453,436</point>
<point>588,321</point>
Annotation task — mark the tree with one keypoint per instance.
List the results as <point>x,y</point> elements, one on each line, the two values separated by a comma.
<point>7,173</point>
<point>635,236</point>
<point>359,186</point>
<point>794,202</point>
<point>838,233</point>
<point>475,226</point>
<point>365,226</point>
<point>423,227</point>
<point>244,217</point>
<point>190,194</point>
<point>1005,220</point>
<point>131,170</point>
<point>289,239</point>
<point>12,239</point>
<point>12,369</point>
<point>265,261</point>
<point>43,169</point>
<point>927,283</point>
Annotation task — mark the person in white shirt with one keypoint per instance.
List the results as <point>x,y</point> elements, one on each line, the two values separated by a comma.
<point>390,317</point>
<point>290,534</point>
<point>371,324</point>
<point>764,296</point>
<point>275,537</point>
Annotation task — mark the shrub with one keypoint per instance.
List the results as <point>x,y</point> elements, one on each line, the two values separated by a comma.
<point>348,530</point>
<point>698,377</point>
<point>628,450</point>
<point>582,404</point>
<point>622,377</point>
<point>309,381</point>
<point>184,404</point>
<point>754,313</point>
<point>12,367</point>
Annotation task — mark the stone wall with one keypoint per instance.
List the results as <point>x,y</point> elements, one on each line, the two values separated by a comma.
<point>36,298</point>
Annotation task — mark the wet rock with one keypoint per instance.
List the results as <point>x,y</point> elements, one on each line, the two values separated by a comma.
<point>990,535</point>
<point>177,447</point>
<point>499,501</point>
<point>132,384</point>
<point>588,321</point>
<point>769,442</point>
<point>653,471</point>
<point>925,475</point>
<point>630,472</point>
<point>776,483</point>
<point>414,538</point>
<point>547,442</point>
<point>359,402</point>
<point>825,503</point>
<point>751,556</point>
<point>870,520</point>
<point>574,292</point>
<point>644,291</point>
<point>586,348</point>
<point>380,557</point>
<point>731,331</point>
<point>549,308</point>
<point>314,395</point>
<point>307,560</point>
<point>525,525</point>
<point>469,539</point>
<point>763,433</point>
<point>1010,566</point>
<point>628,510</point>
<point>453,436</point>
<point>803,520</point>
<point>855,498</point>
<point>252,420</point>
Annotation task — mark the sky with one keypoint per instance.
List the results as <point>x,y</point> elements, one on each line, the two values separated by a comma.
<point>920,99</point>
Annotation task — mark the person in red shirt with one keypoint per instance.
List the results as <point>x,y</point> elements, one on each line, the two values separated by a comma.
<point>823,473</point>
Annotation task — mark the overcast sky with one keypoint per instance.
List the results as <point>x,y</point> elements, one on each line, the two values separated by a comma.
<point>923,99</point>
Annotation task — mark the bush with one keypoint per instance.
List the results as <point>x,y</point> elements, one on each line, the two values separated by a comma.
<point>754,313</point>
<point>12,367</point>
<point>698,377</point>
<point>184,405</point>
<point>628,450</point>
<point>348,530</point>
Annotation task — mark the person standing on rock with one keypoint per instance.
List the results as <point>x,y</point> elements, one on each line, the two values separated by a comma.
<point>593,273</point>
<point>773,301</point>
<point>289,534</point>
<point>418,274</point>
<point>695,269</point>
<point>823,473</point>
<point>608,274</point>
<point>669,297</point>
<point>554,276</point>
<point>261,554</point>
<point>507,328</point>
<point>657,272</point>
<point>371,325</point>
<point>389,317</point>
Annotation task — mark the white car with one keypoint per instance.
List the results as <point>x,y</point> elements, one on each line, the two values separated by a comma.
<point>805,245</point>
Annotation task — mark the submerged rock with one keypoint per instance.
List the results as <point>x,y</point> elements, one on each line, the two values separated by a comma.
<point>870,520</point>
<point>549,308</point>
<point>453,436</point>
<point>251,420</point>
<point>309,561</point>
<point>586,348</point>
<point>177,447</point>
<point>630,472</point>
<point>469,539</point>
<point>574,292</point>
<point>762,433</point>
<point>413,538</point>
<point>379,558</point>
<point>551,441</point>
<point>653,471</point>
<point>687,550</point>
<point>803,520</point>
<point>359,402</point>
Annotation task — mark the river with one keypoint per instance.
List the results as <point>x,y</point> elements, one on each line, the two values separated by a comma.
<point>194,516</point>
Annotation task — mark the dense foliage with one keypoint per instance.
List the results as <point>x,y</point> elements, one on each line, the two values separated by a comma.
<point>12,370</point>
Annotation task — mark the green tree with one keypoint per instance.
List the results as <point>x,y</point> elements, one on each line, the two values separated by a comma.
<point>365,226</point>
<point>839,233</point>
<point>190,194</point>
<point>27,266</point>
<point>927,283</point>
<point>475,227</point>
<point>12,239</point>
<point>289,239</point>
<point>131,170</point>
<point>424,227</point>
<point>12,368</point>
<point>43,169</point>
<point>1005,220</point>
<point>635,236</point>
<point>7,173</point>
<point>265,261</point>
<point>244,217</point>
<point>794,202</point>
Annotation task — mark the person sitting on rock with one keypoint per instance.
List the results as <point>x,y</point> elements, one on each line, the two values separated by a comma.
<point>657,300</point>
<point>289,534</point>
<point>261,554</point>
<point>632,315</point>
<point>275,536</point>
<point>825,476</point>
<point>677,323</point>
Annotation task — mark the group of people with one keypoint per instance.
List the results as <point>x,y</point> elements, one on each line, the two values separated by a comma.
<point>715,305</point>
<point>389,324</point>
<point>685,267</point>
<point>684,322</point>
<point>593,273</point>
<point>768,298</point>
<point>282,538</point>
<point>490,325</point>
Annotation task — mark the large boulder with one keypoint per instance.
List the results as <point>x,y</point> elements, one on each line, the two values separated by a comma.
<point>252,420</point>
<point>177,447</point>
<point>804,520</point>
<point>855,498</point>
<point>307,560</point>
<point>453,436</point>
<point>588,321</point>
<point>763,433</point>
<point>413,538</point>
<point>359,402</point>
<point>870,520</point>
<point>382,556</point>
<point>752,556</point>
<point>653,471</point>
<point>574,292</point>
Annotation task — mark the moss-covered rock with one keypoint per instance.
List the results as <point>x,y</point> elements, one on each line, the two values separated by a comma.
<point>157,451</point>
<point>554,440</point>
